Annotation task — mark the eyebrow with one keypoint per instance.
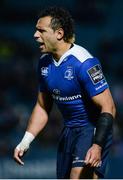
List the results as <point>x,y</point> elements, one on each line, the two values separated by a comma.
<point>40,29</point>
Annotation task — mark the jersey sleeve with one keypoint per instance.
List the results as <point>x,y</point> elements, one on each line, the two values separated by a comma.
<point>41,82</point>
<point>91,77</point>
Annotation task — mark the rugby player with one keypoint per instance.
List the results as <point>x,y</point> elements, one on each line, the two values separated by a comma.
<point>69,75</point>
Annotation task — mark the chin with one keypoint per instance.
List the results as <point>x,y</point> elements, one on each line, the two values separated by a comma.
<point>45,51</point>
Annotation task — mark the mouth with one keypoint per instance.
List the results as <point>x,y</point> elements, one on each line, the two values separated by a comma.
<point>41,45</point>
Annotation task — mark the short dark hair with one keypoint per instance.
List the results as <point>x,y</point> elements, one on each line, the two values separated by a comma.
<point>61,18</point>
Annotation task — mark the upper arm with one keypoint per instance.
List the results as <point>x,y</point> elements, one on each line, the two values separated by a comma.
<point>91,77</point>
<point>45,101</point>
<point>105,101</point>
<point>93,81</point>
<point>41,74</point>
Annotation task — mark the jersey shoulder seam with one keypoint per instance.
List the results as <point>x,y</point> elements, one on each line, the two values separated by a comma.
<point>43,55</point>
<point>80,53</point>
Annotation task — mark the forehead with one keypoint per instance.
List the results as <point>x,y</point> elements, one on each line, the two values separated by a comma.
<point>43,22</point>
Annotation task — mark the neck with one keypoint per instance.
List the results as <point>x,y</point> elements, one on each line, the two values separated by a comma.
<point>62,48</point>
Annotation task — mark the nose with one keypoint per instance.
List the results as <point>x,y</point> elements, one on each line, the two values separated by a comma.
<point>37,34</point>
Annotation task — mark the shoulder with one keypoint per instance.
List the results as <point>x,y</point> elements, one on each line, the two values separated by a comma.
<point>45,59</point>
<point>80,53</point>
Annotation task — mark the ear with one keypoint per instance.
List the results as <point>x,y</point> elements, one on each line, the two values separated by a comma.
<point>60,33</point>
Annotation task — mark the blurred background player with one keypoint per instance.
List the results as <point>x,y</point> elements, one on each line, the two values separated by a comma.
<point>73,78</point>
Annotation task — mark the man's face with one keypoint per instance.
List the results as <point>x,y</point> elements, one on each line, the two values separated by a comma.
<point>45,35</point>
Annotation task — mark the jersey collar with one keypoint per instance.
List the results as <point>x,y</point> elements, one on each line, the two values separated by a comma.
<point>63,57</point>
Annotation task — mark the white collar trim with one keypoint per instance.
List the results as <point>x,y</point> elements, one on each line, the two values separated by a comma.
<point>63,57</point>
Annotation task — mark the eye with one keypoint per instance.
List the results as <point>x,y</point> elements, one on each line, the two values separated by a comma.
<point>41,30</point>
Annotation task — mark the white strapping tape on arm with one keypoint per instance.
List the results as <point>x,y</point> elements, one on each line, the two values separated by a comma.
<point>25,142</point>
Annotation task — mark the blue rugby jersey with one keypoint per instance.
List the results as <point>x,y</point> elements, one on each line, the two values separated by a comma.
<point>72,81</point>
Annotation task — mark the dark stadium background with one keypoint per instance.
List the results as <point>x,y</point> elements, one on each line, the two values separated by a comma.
<point>99,28</point>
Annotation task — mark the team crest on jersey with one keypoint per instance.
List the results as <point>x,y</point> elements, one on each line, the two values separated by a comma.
<point>44,71</point>
<point>96,74</point>
<point>69,73</point>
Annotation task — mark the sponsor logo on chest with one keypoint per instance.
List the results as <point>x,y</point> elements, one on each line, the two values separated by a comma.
<point>56,91</point>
